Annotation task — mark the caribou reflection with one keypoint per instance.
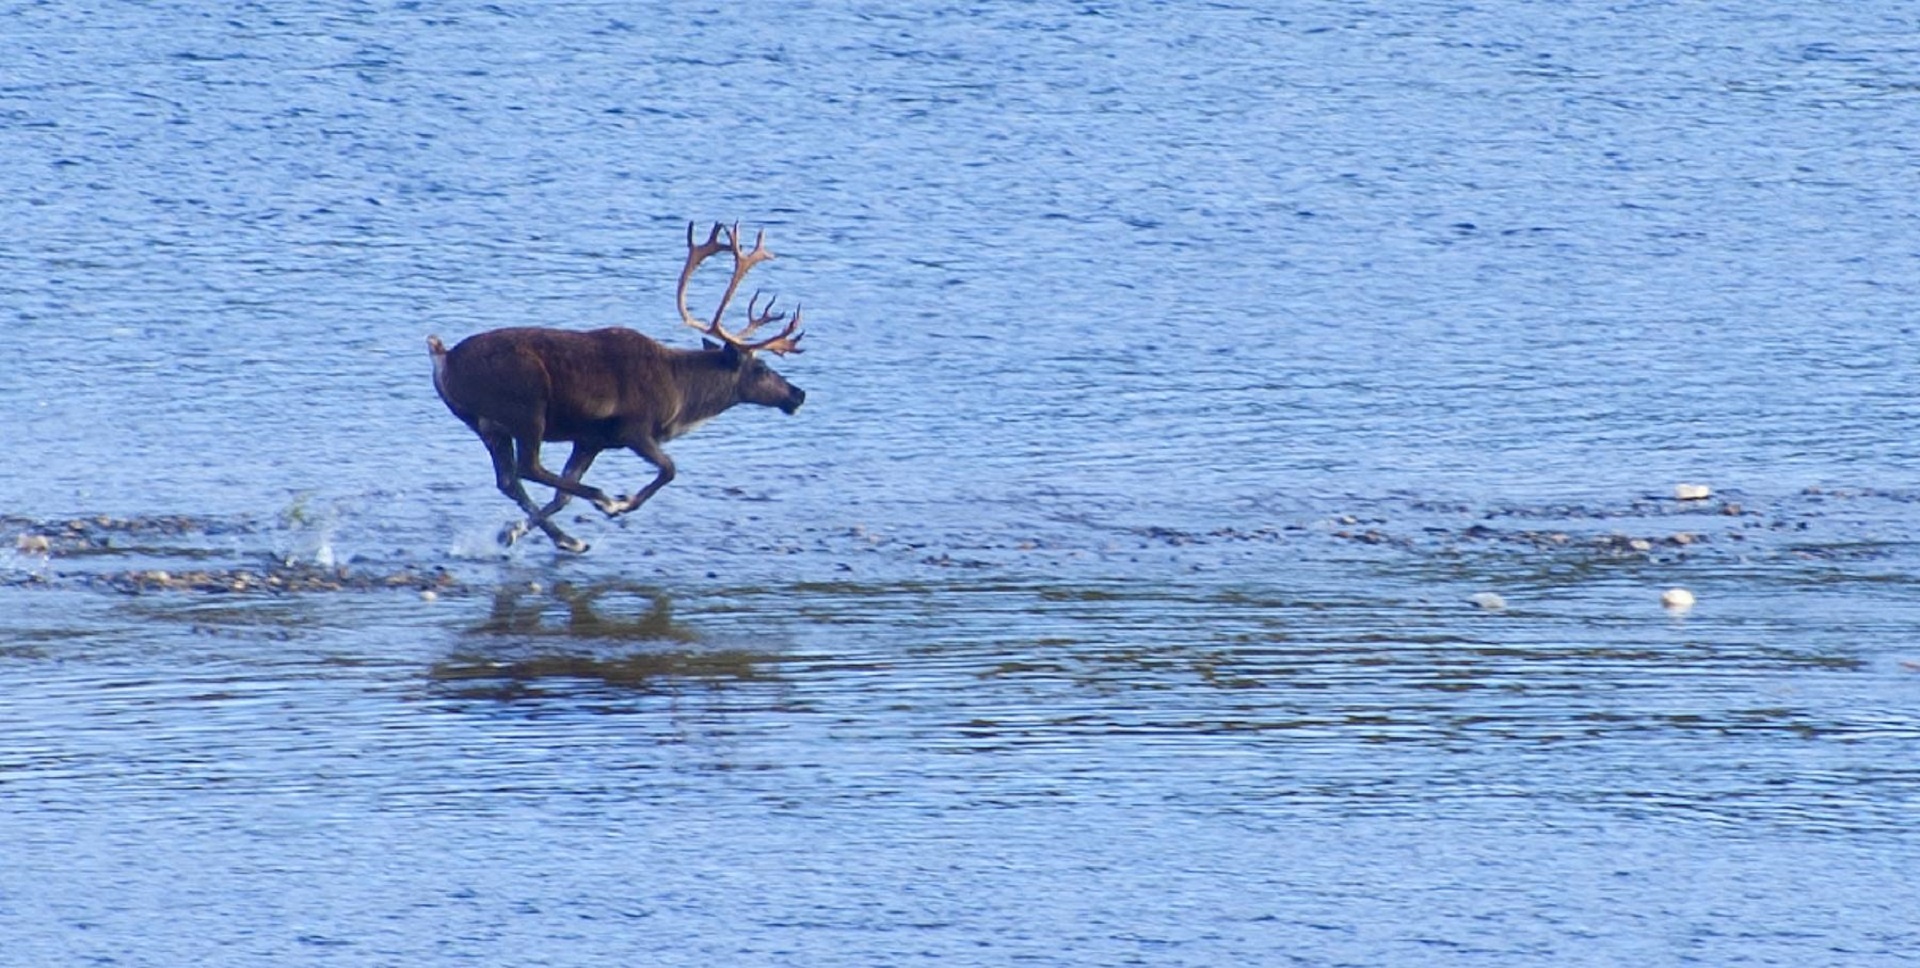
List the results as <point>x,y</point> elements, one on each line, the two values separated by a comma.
<point>525,610</point>
<point>532,642</point>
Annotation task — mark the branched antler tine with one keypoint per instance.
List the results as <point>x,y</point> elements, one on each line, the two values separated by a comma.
<point>696,254</point>
<point>787,342</point>
<point>743,262</point>
<point>755,319</point>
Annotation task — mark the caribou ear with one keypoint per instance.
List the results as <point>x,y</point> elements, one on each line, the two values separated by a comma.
<point>731,356</point>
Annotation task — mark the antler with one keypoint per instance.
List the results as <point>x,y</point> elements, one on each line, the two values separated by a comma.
<point>743,262</point>
<point>787,342</point>
<point>696,254</point>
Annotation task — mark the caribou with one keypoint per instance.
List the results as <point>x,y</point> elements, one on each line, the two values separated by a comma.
<point>604,389</point>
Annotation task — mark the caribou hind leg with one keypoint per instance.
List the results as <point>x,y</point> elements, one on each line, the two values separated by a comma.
<point>507,478</point>
<point>577,464</point>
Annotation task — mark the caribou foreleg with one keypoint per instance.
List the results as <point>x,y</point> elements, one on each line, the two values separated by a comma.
<point>649,451</point>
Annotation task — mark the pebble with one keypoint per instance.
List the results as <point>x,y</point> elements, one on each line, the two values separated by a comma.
<point>1692,492</point>
<point>1677,599</point>
<point>32,544</point>
<point>1487,600</point>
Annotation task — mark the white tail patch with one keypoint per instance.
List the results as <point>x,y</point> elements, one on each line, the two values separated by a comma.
<point>438,351</point>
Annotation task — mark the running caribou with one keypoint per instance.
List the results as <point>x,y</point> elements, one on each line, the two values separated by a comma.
<point>611,388</point>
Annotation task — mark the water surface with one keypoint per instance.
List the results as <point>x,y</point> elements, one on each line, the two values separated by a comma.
<point>1176,375</point>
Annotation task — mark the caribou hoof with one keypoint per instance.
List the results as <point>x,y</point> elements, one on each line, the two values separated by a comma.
<point>511,532</point>
<point>612,507</point>
<point>567,542</point>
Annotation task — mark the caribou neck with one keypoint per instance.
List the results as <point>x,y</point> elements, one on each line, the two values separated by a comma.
<point>707,388</point>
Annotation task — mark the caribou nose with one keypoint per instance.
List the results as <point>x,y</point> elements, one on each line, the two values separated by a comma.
<point>794,400</point>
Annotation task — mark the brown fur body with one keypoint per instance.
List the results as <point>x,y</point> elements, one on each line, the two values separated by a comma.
<point>602,389</point>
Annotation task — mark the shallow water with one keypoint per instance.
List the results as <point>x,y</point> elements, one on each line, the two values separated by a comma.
<point>1176,376</point>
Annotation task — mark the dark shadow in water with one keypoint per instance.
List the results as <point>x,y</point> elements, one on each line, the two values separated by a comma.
<point>535,643</point>
<point>525,611</point>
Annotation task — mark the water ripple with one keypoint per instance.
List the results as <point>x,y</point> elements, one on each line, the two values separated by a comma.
<point>1185,381</point>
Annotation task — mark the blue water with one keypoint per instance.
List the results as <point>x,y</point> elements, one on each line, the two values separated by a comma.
<point>1176,373</point>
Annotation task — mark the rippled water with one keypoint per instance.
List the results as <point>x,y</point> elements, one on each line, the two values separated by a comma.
<point>1177,375</point>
